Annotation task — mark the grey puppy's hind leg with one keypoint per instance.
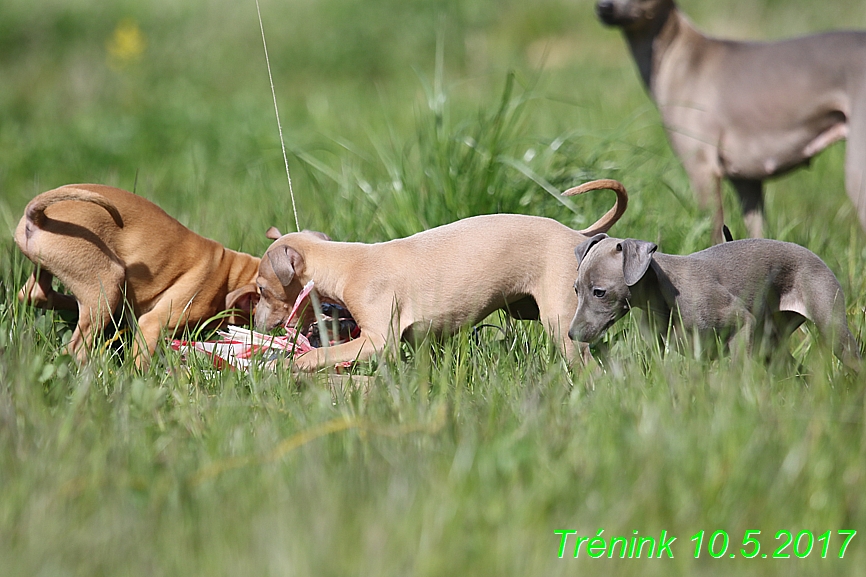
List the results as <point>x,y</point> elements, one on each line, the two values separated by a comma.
<point>825,306</point>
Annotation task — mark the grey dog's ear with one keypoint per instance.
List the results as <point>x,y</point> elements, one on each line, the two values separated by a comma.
<point>636,258</point>
<point>286,262</point>
<point>583,248</point>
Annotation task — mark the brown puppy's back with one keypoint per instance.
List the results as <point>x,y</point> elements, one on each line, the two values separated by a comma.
<point>106,244</point>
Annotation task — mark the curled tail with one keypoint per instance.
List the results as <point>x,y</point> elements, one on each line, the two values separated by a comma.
<point>614,214</point>
<point>36,209</point>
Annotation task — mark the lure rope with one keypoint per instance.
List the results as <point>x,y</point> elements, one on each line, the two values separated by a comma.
<point>277,112</point>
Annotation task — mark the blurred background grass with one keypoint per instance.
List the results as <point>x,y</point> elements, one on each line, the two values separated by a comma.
<point>398,116</point>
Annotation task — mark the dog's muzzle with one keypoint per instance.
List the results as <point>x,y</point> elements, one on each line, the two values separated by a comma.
<point>605,10</point>
<point>609,14</point>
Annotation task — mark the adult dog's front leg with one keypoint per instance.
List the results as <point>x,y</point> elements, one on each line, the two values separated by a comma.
<point>701,162</point>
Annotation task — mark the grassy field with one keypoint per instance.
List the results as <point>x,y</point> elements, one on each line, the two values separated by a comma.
<point>463,458</point>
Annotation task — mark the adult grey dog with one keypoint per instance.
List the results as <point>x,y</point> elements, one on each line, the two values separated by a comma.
<point>766,287</point>
<point>748,110</point>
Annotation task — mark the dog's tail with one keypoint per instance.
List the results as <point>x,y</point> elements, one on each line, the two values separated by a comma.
<point>614,214</point>
<point>36,209</point>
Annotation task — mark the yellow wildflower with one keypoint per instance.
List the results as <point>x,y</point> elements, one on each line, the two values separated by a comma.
<point>126,44</point>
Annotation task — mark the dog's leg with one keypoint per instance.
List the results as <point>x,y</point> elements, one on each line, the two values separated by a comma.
<point>37,288</point>
<point>174,309</point>
<point>555,312</point>
<point>833,327</point>
<point>571,350</point>
<point>361,349</point>
<point>745,328</point>
<point>38,292</point>
<point>719,214</point>
<point>96,304</point>
<point>855,161</point>
<point>702,166</point>
<point>843,343</point>
<point>847,350</point>
<point>778,328</point>
<point>150,326</point>
<point>819,298</point>
<point>751,195</point>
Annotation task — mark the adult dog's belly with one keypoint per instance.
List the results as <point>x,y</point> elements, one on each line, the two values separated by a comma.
<point>746,153</point>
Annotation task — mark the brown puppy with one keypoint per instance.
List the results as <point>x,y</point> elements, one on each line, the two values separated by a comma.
<point>105,244</point>
<point>433,282</point>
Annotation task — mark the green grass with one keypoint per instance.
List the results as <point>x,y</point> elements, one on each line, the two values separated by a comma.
<point>463,457</point>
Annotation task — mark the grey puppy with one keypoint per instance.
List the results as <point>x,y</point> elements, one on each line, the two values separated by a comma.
<point>748,110</point>
<point>766,287</point>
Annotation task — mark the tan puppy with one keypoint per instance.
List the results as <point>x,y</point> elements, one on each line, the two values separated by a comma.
<point>105,244</point>
<point>433,282</point>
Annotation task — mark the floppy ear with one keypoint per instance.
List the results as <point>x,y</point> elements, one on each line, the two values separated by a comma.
<point>583,248</point>
<point>286,262</point>
<point>243,299</point>
<point>636,258</point>
<point>321,235</point>
<point>273,233</point>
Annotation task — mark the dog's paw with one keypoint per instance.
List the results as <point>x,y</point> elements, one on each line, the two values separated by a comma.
<point>306,363</point>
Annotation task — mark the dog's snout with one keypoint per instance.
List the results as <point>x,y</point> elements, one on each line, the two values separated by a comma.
<point>261,318</point>
<point>605,9</point>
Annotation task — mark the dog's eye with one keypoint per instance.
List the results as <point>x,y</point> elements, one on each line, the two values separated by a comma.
<point>598,292</point>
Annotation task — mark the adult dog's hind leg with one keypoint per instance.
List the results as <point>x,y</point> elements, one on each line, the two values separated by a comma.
<point>855,160</point>
<point>751,195</point>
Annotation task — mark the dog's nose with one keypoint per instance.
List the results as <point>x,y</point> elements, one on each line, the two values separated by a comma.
<point>604,9</point>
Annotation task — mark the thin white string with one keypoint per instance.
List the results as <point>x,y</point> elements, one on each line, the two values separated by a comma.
<point>277,111</point>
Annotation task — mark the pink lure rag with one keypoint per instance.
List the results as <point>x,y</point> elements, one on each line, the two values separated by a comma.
<point>240,348</point>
